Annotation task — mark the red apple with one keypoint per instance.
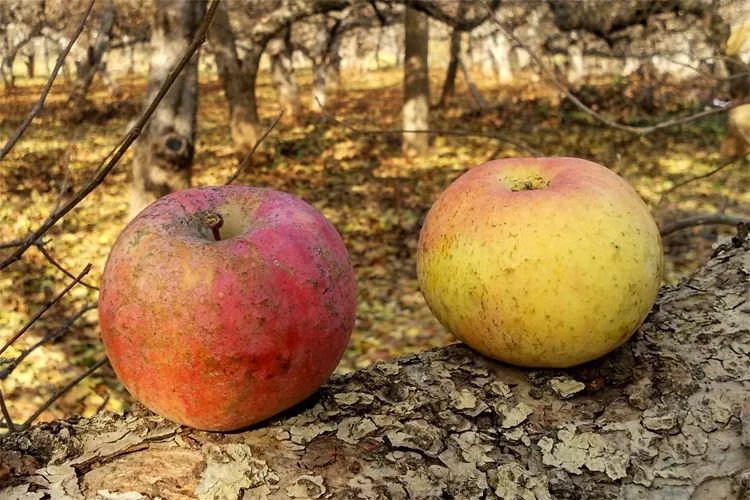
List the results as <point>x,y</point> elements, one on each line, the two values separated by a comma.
<point>540,262</point>
<point>219,335</point>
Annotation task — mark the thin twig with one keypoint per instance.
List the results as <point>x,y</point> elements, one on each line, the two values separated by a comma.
<point>246,161</point>
<point>6,414</point>
<point>44,308</point>
<point>104,169</point>
<point>11,244</point>
<point>40,103</point>
<point>51,260</point>
<point>66,180</point>
<point>62,391</point>
<point>702,220</point>
<point>459,133</point>
<point>598,116</point>
<point>724,164</point>
<point>103,404</point>
<point>481,103</point>
<point>50,337</point>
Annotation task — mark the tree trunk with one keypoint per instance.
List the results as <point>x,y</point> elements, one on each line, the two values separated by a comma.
<point>324,56</point>
<point>30,62</point>
<point>660,418</point>
<point>92,62</point>
<point>164,152</point>
<point>318,88</point>
<point>45,56</point>
<point>449,84</point>
<point>498,58</point>
<point>481,103</point>
<point>333,63</point>
<point>6,68</point>
<point>318,56</point>
<point>131,59</point>
<point>416,112</point>
<point>282,75</point>
<point>576,66</point>
<point>238,79</point>
<point>737,138</point>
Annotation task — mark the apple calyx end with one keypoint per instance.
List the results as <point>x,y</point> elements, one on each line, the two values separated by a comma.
<point>525,183</point>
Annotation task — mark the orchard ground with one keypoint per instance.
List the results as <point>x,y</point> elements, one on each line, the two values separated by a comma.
<point>374,195</point>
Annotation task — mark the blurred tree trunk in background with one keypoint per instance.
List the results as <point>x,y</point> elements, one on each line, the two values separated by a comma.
<point>737,139</point>
<point>164,152</point>
<point>498,59</point>
<point>449,84</point>
<point>576,65</point>
<point>282,74</point>
<point>325,58</point>
<point>30,61</point>
<point>238,79</point>
<point>92,61</point>
<point>239,75</point>
<point>333,63</point>
<point>416,112</point>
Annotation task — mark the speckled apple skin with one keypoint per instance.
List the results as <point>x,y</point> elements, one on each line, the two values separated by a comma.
<point>549,277</point>
<point>221,335</point>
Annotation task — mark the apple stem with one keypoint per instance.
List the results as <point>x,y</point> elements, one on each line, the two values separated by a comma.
<point>215,221</point>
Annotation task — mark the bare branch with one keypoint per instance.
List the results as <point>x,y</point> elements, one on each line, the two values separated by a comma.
<point>11,244</point>
<point>702,220</point>
<point>66,179</point>
<point>103,404</point>
<point>459,133</point>
<point>104,169</point>
<point>434,10</point>
<point>51,260</point>
<point>722,166</point>
<point>246,161</point>
<point>40,103</point>
<point>481,103</point>
<point>6,414</point>
<point>381,18</point>
<point>44,309</point>
<point>50,337</point>
<point>598,116</point>
<point>62,391</point>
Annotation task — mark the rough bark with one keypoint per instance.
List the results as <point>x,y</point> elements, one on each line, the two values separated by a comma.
<point>662,417</point>
<point>94,57</point>
<point>416,111</point>
<point>282,75</point>
<point>164,151</point>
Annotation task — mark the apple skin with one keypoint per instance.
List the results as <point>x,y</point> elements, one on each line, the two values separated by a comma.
<point>219,335</point>
<point>552,276</point>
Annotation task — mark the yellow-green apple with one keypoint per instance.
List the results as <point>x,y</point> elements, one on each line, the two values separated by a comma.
<point>540,262</point>
<point>223,306</point>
